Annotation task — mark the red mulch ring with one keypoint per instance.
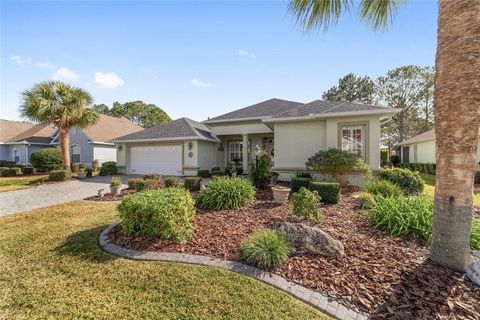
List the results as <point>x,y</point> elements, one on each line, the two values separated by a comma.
<point>111,197</point>
<point>391,278</point>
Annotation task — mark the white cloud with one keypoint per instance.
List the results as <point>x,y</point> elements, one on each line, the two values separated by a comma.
<point>108,80</point>
<point>65,74</point>
<point>44,64</point>
<point>198,83</point>
<point>19,60</point>
<point>246,54</point>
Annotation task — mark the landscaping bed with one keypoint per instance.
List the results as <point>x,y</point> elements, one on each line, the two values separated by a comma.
<point>389,277</point>
<point>111,197</point>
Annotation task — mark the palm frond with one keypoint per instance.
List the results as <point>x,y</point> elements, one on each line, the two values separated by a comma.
<point>318,14</point>
<point>379,13</point>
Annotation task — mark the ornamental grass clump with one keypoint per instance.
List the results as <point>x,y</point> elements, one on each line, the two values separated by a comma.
<point>305,204</point>
<point>226,193</point>
<point>167,213</point>
<point>401,216</point>
<point>265,249</point>
<point>382,187</point>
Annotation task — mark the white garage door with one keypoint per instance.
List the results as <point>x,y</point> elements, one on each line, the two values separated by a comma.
<point>166,160</point>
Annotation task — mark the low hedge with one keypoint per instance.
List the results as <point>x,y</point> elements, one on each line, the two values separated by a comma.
<point>166,213</point>
<point>18,170</point>
<point>108,168</point>
<point>299,182</point>
<point>410,182</point>
<point>7,172</point>
<point>329,192</point>
<point>203,173</point>
<point>28,171</point>
<point>59,175</point>
<point>6,164</point>
<point>132,183</point>
<point>173,182</point>
<point>427,168</point>
<point>147,184</point>
<point>192,183</point>
<point>153,176</point>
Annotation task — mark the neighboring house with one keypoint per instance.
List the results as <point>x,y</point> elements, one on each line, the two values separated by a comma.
<point>92,143</point>
<point>18,140</point>
<point>289,131</point>
<point>421,148</point>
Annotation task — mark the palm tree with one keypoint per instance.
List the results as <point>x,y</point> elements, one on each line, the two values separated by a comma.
<point>457,108</point>
<point>64,106</point>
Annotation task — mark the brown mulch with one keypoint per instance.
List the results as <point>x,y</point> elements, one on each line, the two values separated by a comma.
<point>391,278</point>
<point>111,197</point>
<point>46,181</point>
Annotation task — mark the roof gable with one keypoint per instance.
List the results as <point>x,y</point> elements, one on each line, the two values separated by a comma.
<point>426,136</point>
<point>108,128</point>
<point>11,129</point>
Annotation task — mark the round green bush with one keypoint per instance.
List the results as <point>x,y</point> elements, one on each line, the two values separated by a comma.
<point>166,213</point>
<point>265,249</point>
<point>108,168</point>
<point>382,187</point>
<point>226,193</point>
<point>173,182</point>
<point>306,204</point>
<point>410,182</point>
<point>46,159</point>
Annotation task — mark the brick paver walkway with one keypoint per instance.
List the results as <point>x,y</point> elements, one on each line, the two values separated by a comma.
<point>46,195</point>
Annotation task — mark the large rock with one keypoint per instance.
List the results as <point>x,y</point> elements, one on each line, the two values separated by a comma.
<point>473,272</point>
<point>310,238</point>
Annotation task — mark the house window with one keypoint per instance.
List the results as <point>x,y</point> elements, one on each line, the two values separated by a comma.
<point>16,156</point>
<point>76,154</point>
<point>235,151</point>
<point>353,140</point>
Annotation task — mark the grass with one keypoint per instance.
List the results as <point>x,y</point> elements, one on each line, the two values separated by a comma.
<point>17,183</point>
<point>430,188</point>
<point>52,267</point>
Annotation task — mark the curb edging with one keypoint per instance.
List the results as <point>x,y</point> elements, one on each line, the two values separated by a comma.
<point>313,298</point>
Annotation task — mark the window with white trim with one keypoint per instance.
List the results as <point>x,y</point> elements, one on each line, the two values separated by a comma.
<point>353,140</point>
<point>16,156</point>
<point>235,151</point>
<point>76,154</point>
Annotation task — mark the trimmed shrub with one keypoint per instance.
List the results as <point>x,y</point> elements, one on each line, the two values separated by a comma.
<point>265,249</point>
<point>226,193</point>
<point>410,182</point>
<point>382,187</point>
<point>153,176</point>
<point>305,204</point>
<point>59,175</point>
<point>217,173</point>
<point>192,183</point>
<point>166,213</point>
<point>28,171</point>
<point>7,164</point>
<point>304,174</point>
<point>147,184</point>
<point>132,183</point>
<point>18,170</point>
<point>329,192</point>
<point>7,172</point>
<point>395,160</point>
<point>108,168</point>
<point>46,159</point>
<point>216,169</point>
<point>173,182</point>
<point>203,173</point>
<point>299,182</point>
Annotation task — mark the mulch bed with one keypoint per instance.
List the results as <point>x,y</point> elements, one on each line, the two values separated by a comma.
<point>391,278</point>
<point>111,197</point>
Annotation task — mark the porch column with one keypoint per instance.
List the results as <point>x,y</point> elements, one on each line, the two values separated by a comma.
<point>245,152</point>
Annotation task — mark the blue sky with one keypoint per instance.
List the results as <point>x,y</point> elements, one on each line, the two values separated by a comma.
<point>196,59</point>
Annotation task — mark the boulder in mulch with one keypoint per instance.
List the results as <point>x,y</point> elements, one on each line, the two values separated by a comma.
<point>312,239</point>
<point>473,272</point>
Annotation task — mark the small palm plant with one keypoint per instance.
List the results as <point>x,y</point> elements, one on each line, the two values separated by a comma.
<point>64,106</point>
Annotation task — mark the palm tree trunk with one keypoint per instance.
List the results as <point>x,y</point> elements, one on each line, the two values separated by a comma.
<point>457,122</point>
<point>65,147</point>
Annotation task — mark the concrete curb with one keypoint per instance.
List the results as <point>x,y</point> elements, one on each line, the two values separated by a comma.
<point>313,298</point>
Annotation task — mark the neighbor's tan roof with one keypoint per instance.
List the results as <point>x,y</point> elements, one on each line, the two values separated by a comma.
<point>10,129</point>
<point>39,133</point>
<point>108,128</point>
<point>426,136</point>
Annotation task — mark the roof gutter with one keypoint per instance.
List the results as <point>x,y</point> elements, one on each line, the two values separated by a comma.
<point>233,120</point>
<point>162,140</point>
<point>333,115</point>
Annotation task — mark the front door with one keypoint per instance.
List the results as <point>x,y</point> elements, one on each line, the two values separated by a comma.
<point>406,154</point>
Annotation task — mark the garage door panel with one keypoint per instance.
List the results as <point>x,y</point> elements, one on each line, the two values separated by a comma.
<point>166,159</point>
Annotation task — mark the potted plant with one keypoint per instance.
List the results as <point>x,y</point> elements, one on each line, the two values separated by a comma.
<point>115,185</point>
<point>280,194</point>
<point>82,173</point>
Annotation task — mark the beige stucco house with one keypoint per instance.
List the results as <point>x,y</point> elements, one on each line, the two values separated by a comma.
<point>289,131</point>
<point>421,148</point>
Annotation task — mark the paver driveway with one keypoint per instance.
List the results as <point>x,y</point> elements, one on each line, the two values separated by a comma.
<point>43,196</point>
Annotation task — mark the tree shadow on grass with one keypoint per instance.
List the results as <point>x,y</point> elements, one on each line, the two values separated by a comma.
<point>429,291</point>
<point>84,246</point>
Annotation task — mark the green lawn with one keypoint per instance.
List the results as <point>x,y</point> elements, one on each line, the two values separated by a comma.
<point>430,188</point>
<point>16,183</point>
<point>51,267</point>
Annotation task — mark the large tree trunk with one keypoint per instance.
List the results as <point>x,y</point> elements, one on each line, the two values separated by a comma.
<point>457,122</point>
<point>65,147</point>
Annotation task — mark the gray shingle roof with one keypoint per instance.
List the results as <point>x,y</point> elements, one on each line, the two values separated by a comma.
<point>180,128</point>
<point>324,107</point>
<point>265,109</point>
